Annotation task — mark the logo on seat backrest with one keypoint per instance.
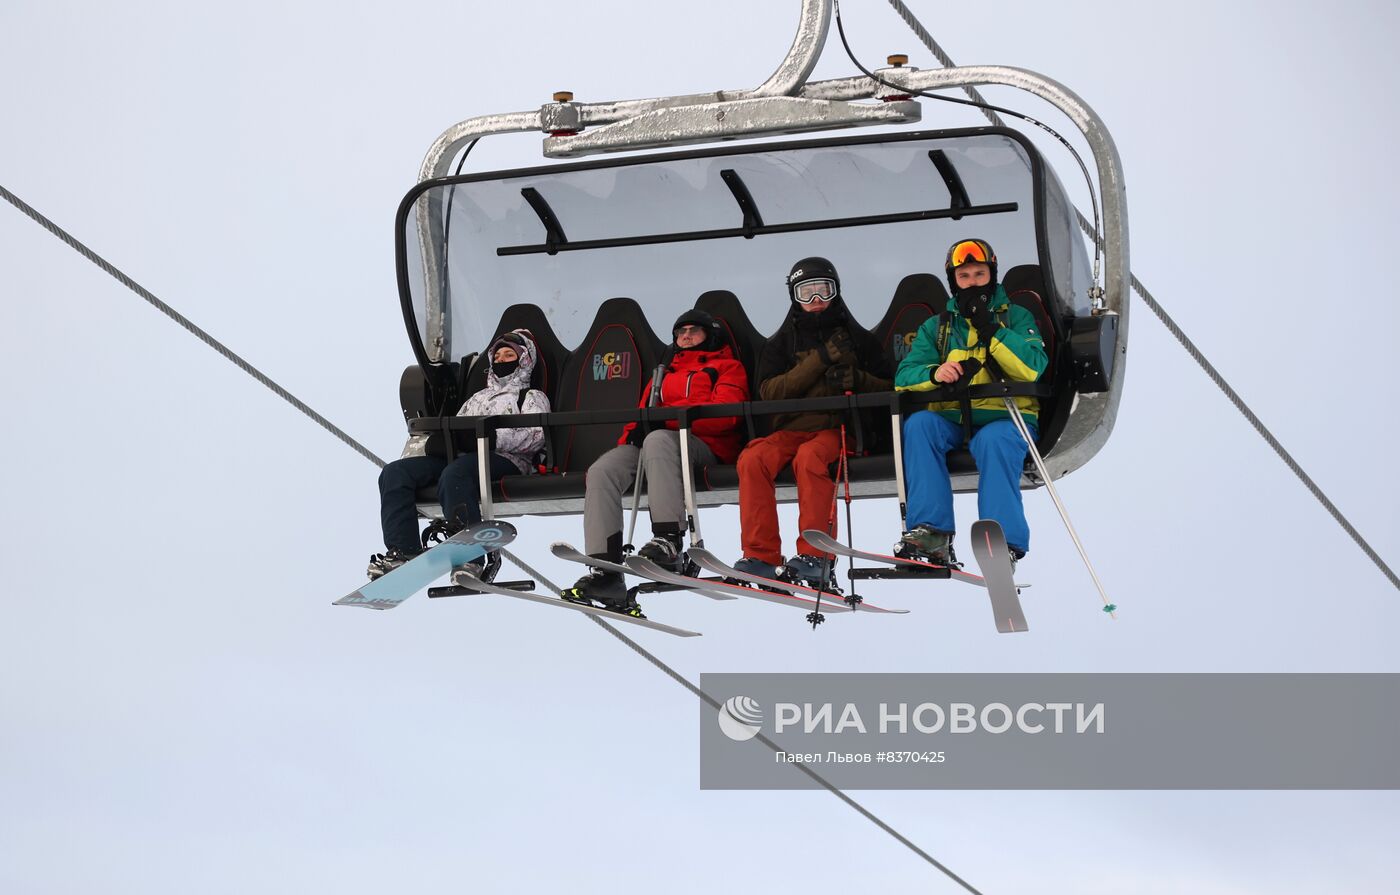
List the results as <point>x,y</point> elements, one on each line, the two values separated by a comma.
<point>612,365</point>
<point>902,342</point>
<point>905,329</point>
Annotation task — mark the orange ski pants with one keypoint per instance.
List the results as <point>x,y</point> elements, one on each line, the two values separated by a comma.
<point>811,455</point>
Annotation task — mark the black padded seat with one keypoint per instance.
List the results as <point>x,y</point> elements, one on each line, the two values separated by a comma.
<point>552,353</point>
<point>746,341</point>
<point>545,377</point>
<point>607,371</point>
<point>540,486</point>
<point>918,297</point>
<point>1026,287</point>
<point>724,306</point>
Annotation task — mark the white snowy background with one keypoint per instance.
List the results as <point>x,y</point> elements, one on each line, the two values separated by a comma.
<point>182,710</point>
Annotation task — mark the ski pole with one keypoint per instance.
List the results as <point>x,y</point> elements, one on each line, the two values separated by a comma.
<point>639,477</point>
<point>844,470</point>
<point>688,484</point>
<point>897,447</point>
<point>1020,424</point>
<point>815,616</point>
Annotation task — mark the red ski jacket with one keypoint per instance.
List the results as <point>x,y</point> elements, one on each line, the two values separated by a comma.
<point>696,376</point>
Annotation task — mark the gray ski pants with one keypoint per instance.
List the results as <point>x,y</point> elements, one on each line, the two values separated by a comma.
<point>612,474</point>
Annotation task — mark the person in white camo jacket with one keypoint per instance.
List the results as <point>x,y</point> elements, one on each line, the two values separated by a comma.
<point>513,357</point>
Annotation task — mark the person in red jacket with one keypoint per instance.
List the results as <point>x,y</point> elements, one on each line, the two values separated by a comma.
<point>700,368</point>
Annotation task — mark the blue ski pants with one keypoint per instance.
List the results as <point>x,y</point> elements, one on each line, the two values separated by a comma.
<point>458,491</point>
<point>999,452</point>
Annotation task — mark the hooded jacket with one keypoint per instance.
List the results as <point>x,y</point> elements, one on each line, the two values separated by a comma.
<point>1017,347</point>
<point>703,376</point>
<point>791,364</point>
<point>501,397</point>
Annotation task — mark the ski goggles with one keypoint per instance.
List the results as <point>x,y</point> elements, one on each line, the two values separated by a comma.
<point>809,291</point>
<point>969,250</point>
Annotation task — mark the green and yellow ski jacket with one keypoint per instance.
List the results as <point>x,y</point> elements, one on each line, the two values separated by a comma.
<point>1018,348</point>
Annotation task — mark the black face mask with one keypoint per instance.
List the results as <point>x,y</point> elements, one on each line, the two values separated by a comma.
<point>971,300</point>
<point>972,293</point>
<point>502,369</point>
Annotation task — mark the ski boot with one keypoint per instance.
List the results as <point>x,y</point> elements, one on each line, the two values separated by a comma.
<point>1017,555</point>
<point>751,565</point>
<point>666,552</point>
<point>923,542</point>
<point>381,564</point>
<point>598,586</point>
<point>484,569</point>
<point>816,572</point>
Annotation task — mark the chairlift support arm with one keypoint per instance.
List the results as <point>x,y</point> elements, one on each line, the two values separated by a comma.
<point>787,103</point>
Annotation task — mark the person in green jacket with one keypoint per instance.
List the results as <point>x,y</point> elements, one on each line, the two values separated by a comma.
<point>978,338</point>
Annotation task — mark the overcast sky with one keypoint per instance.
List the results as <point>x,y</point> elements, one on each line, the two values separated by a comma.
<point>182,710</point>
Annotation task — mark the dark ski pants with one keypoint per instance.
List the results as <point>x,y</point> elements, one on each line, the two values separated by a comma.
<point>811,455</point>
<point>458,491</point>
<point>1000,453</point>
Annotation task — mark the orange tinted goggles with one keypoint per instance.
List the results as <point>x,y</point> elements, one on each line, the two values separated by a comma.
<point>967,251</point>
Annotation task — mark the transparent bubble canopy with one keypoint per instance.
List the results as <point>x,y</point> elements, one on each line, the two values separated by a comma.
<point>663,229</point>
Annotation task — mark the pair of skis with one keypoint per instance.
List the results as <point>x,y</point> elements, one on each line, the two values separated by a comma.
<point>770,590</point>
<point>993,558</point>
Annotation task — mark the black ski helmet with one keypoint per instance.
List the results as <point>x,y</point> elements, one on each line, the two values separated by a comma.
<point>814,268</point>
<point>714,336</point>
<point>964,251</point>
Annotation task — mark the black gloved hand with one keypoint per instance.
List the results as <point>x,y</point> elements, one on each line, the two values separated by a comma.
<point>714,376</point>
<point>970,367</point>
<point>841,378</point>
<point>636,435</point>
<point>976,306</point>
<point>838,348</point>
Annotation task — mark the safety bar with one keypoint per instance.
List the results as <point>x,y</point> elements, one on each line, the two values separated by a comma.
<point>478,426</point>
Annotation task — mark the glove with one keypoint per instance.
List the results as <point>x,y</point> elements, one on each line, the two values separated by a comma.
<point>977,308</point>
<point>838,348</point>
<point>713,374</point>
<point>841,378</point>
<point>970,367</point>
<point>635,435</point>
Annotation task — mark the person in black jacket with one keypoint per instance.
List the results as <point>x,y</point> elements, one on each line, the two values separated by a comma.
<point>818,351</point>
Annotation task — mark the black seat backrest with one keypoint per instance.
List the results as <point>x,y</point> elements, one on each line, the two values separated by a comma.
<point>747,342</point>
<point>551,351</point>
<point>1025,287</point>
<point>607,371</point>
<point>918,297</point>
<point>724,306</point>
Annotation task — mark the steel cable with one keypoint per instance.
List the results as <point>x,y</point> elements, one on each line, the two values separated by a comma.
<point>1176,331</point>
<point>715,704</point>
<point>189,326</point>
<point>281,392</point>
